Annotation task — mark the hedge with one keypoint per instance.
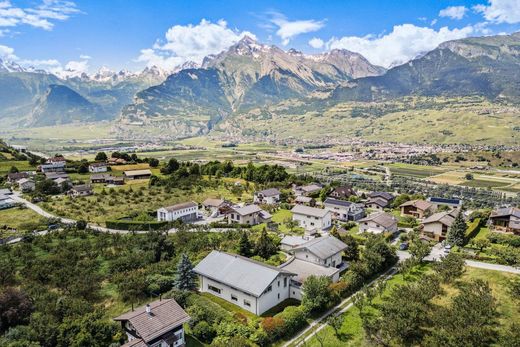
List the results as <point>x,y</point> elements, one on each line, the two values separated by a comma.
<point>224,225</point>
<point>136,225</point>
<point>473,229</point>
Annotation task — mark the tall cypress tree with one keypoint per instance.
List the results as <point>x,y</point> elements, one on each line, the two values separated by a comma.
<point>186,278</point>
<point>457,231</point>
<point>244,246</point>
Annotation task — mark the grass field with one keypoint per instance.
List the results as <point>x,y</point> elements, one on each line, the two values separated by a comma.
<point>21,219</point>
<point>419,171</point>
<point>5,166</point>
<point>352,329</point>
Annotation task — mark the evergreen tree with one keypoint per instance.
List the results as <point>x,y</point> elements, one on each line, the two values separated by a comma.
<point>265,246</point>
<point>185,279</point>
<point>244,245</point>
<point>457,231</point>
<point>101,156</point>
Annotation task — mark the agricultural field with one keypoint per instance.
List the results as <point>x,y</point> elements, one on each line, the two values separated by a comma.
<point>23,165</point>
<point>19,220</point>
<point>352,333</point>
<point>418,171</point>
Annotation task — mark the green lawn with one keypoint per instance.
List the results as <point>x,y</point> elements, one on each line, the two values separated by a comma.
<point>23,165</point>
<point>229,306</point>
<point>20,219</point>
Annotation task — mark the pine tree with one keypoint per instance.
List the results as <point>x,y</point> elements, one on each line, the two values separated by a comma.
<point>244,246</point>
<point>457,231</point>
<point>186,278</point>
<point>265,247</point>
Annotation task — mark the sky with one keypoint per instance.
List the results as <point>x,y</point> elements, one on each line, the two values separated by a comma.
<point>85,35</point>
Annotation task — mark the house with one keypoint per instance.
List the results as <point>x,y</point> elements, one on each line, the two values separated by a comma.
<point>321,256</point>
<point>6,202</point>
<point>97,167</point>
<point>60,181</point>
<point>159,323</point>
<point>251,285</point>
<point>436,226</point>
<point>80,190</point>
<point>307,190</point>
<point>99,178</point>
<point>116,161</point>
<point>451,203</point>
<point>26,185</point>
<point>505,220</point>
<point>305,200</point>
<point>342,192</point>
<point>269,196</point>
<point>249,214</point>
<point>5,191</point>
<point>14,177</point>
<point>54,164</point>
<point>214,206</point>
<point>379,200</point>
<point>311,218</point>
<point>417,208</point>
<point>55,175</point>
<point>186,212</point>
<point>344,210</point>
<point>289,242</point>
<point>115,180</point>
<point>377,223</point>
<point>137,174</point>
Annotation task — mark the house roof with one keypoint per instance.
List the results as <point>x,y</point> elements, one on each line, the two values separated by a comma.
<point>336,202</point>
<point>294,240</point>
<point>419,204</point>
<point>381,218</point>
<point>100,176</point>
<point>444,201</point>
<point>54,175</point>
<point>82,188</point>
<point>310,188</point>
<point>345,191</point>
<point>5,191</point>
<point>378,201</point>
<point>505,212</point>
<point>165,315</point>
<point>303,199</point>
<point>239,272</point>
<point>269,192</point>
<point>213,202</point>
<point>180,206</point>
<point>304,269</point>
<point>323,247</point>
<point>445,218</point>
<point>25,180</point>
<point>55,160</point>
<point>247,210</point>
<point>310,211</point>
<point>17,175</point>
<point>384,195</point>
<point>137,172</point>
<point>98,164</point>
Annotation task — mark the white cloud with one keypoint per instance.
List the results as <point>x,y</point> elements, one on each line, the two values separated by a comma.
<point>191,42</point>
<point>7,53</point>
<point>85,57</point>
<point>500,11</point>
<point>405,42</point>
<point>453,12</point>
<point>41,16</point>
<point>289,29</point>
<point>316,43</point>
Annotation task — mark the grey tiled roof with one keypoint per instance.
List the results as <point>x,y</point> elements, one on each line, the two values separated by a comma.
<point>445,218</point>
<point>247,210</point>
<point>239,272</point>
<point>269,192</point>
<point>323,247</point>
<point>337,202</point>
<point>310,211</point>
<point>304,269</point>
<point>180,206</point>
<point>381,218</point>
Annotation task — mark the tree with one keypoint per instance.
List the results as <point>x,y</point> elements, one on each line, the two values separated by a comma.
<point>101,156</point>
<point>81,224</point>
<point>153,162</point>
<point>400,199</point>
<point>334,232</point>
<point>480,243</point>
<point>450,267</point>
<point>185,277</point>
<point>172,166</point>
<point>15,308</point>
<point>244,245</point>
<point>352,251</point>
<point>83,168</point>
<point>336,322</point>
<point>419,249</point>
<point>468,177</point>
<point>316,293</point>
<point>13,169</point>
<point>457,232</point>
<point>265,247</point>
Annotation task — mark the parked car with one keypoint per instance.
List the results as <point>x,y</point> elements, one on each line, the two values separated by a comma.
<point>403,246</point>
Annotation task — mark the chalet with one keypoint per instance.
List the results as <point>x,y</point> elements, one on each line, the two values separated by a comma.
<point>26,185</point>
<point>321,256</point>
<point>377,223</point>
<point>14,177</point>
<point>505,220</point>
<point>436,226</point>
<point>80,190</point>
<point>311,218</point>
<point>186,212</point>
<point>305,200</point>
<point>268,196</point>
<point>289,242</point>
<point>308,190</point>
<point>214,206</point>
<point>251,285</point>
<point>157,324</point>
<point>451,203</point>
<point>249,214</point>
<point>6,202</point>
<point>97,167</point>
<point>99,178</point>
<point>55,175</point>
<point>137,174</point>
<point>115,180</point>
<point>379,200</point>
<point>417,208</point>
<point>54,164</point>
<point>344,210</point>
<point>342,192</point>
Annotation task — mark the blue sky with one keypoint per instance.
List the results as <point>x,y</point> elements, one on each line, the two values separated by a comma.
<point>87,34</point>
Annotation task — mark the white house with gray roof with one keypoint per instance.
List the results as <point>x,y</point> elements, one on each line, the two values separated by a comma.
<point>311,218</point>
<point>249,214</point>
<point>269,196</point>
<point>377,223</point>
<point>251,285</point>
<point>344,210</point>
<point>186,211</point>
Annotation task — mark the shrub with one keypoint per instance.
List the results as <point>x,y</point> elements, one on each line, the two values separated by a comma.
<point>136,225</point>
<point>473,228</point>
<point>203,331</point>
<point>273,326</point>
<point>294,318</point>
<point>504,239</point>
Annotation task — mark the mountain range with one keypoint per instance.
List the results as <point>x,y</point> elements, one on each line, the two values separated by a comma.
<point>251,80</point>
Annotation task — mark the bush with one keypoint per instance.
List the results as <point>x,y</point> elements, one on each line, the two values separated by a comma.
<point>203,331</point>
<point>504,239</point>
<point>294,318</point>
<point>136,225</point>
<point>274,327</point>
<point>473,229</point>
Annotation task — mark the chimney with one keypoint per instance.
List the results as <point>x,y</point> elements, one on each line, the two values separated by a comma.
<point>148,309</point>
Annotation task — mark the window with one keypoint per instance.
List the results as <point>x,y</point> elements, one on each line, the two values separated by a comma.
<point>269,289</point>
<point>278,296</point>
<point>214,289</point>
<point>278,283</point>
<point>234,297</point>
<point>285,282</point>
<point>247,303</point>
